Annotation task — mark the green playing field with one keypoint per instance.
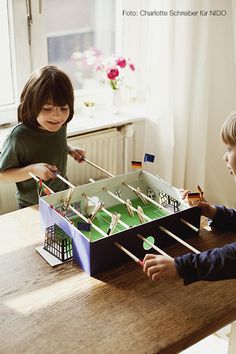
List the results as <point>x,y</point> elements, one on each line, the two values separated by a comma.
<point>102,220</point>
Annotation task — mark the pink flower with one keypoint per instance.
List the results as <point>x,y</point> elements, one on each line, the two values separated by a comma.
<point>132,67</point>
<point>121,62</point>
<point>112,73</point>
<point>115,69</point>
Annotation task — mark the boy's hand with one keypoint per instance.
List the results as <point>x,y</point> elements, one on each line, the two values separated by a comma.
<point>207,210</point>
<point>184,194</point>
<point>77,154</point>
<point>157,267</point>
<point>44,171</point>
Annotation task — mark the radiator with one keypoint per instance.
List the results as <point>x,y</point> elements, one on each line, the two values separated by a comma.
<point>7,197</point>
<point>102,148</point>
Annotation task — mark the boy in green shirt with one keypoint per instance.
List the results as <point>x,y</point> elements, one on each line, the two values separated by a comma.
<point>38,144</point>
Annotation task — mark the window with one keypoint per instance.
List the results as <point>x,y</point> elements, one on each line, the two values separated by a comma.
<point>78,33</point>
<point>6,58</point>
<point>7,63</point>
<point>71,34</point>
<point>14,58</point>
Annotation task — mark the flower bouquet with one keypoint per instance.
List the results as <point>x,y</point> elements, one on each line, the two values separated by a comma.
<point>114,71</point>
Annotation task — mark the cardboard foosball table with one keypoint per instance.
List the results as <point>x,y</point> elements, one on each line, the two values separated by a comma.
<point>162,215</point>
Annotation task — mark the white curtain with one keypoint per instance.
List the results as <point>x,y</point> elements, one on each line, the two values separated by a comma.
<point>186,69</point>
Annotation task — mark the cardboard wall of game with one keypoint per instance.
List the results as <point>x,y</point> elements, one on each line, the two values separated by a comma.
<point>102,254</point>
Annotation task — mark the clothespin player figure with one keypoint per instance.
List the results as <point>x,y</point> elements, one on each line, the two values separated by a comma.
<point>96,209</point>
<point>114,220</point>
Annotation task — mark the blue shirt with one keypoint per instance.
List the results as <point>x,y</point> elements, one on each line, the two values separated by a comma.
<point>214,264</point>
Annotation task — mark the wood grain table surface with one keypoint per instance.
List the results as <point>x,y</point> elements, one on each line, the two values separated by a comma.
<point>63,310</point>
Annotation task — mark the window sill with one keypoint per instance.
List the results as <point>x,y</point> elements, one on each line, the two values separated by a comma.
<point>101,119</point>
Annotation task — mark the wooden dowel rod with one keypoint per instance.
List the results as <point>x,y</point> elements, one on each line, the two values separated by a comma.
<point>124,202</point>
<point>73,209</point>
<point>38,179</point>
<point>65,180</point>
<point>88,221</point>
<point>189,225</point>
<point>127,185</point>
<point>106,211</point>
<point>147,198</point>
<point>98,167</point>
<point>153,246</point>
<point>178,239</point>
<point>131,255</point>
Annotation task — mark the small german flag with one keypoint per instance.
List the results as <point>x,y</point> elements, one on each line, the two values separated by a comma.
<point>194,195</point>
<point>136,164</point>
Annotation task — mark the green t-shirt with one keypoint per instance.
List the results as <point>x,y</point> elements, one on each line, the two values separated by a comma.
<point>25,146</point>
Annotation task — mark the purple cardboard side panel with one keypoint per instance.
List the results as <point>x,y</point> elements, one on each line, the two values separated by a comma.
<point>80,244</point>
<point>101,255</point>
<point>81,252</point>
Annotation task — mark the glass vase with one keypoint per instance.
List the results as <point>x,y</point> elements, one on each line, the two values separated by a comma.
<point>116,100</point>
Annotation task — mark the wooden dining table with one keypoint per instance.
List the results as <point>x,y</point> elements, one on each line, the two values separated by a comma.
<point>64,310</point>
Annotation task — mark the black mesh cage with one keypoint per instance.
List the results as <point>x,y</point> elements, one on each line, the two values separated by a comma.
<point>58,243</point>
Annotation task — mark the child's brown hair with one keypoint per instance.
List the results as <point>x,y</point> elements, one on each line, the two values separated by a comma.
<point>48,83</point>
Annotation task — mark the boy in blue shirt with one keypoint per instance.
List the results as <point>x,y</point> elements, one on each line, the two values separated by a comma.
<point>214,264</point>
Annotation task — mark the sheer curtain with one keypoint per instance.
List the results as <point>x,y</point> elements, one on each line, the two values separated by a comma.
<point>186,68</point>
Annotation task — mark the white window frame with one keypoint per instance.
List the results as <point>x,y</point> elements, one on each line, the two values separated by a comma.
<point>27,58</point>
<point>5,109</point>
<point>7,56</point>
<point>20,64</point>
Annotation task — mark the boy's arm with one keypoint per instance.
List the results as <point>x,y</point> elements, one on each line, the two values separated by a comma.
<point>19,174</point>
<point>15,175</point>
<point>224,219</point>
<point>215,264</point>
